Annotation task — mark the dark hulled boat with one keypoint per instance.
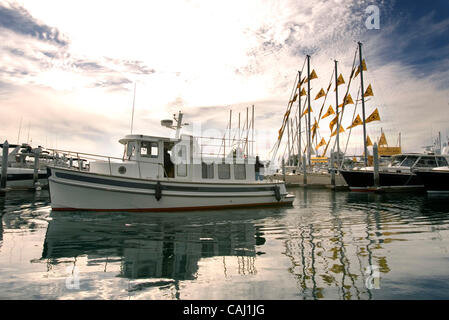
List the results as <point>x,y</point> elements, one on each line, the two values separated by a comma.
<point>398,175</point>
<point>436,181</point>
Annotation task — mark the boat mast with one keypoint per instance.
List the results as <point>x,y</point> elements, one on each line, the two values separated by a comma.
<point>309,137</point>
<point>179,124</point>
<point>132,116</point>
<point>299,119</point>
<point>338,122</point>
<point>288,136</point>
<point>252,136</point>
<point>363,106</point>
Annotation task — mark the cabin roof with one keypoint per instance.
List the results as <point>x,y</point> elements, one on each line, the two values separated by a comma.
<point>141,137</point>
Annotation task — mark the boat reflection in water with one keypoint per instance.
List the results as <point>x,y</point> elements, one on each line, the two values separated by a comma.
<point>167,247</point>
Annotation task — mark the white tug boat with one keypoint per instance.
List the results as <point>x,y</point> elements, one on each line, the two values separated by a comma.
<point>161,174</point>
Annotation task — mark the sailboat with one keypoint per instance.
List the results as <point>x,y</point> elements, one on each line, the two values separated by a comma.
<point>160,173</point>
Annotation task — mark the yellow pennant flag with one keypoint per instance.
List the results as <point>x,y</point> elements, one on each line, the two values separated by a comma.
<point>303,92</point>
<point>348,100</point>
<point>340,80</point>
<point>358,69</point>
<point>320,94</point>
<point>373,117</point>
<point>314,127</point>
<point>357,122</point>
<point>369,91</point>
<point>369,143</point>
<point>333,122</point>
<point>301,82</point>
<point>322,143</point>
<point>329,112</point>
<point>306,111</point>
<point>312,75</point>
<point>335,132</point>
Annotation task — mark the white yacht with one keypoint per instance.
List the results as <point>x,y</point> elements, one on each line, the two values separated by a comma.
<point>161,174</point>
<point>20,171</point>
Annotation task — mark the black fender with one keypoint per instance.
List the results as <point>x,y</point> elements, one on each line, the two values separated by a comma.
<point>158,191</point>
<point>277,193</point>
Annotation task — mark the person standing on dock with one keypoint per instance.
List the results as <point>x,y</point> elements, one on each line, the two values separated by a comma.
<point>258,165</point>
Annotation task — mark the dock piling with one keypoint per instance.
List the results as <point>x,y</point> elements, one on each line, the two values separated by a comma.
<point>304,167</point>
<point>4,165</point>
<point>332,167</point>
<point>36,183</point>
<point>376,165</point>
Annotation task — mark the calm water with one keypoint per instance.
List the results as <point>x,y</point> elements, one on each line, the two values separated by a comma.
<point>318,249</point>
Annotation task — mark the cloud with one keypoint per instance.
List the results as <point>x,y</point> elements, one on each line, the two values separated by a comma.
<point>15,18</point>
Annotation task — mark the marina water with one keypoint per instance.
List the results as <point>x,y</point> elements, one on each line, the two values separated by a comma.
<point>327,246</point>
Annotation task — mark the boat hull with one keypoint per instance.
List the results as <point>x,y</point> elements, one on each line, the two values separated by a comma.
<point>435,182</point>
<point>388,181</point>
<point>72,190</point>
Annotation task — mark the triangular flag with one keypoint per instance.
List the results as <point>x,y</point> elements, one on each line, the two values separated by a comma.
<point>301,82</point>
<point>335,132</point>
<point>368,142</point>
<point>383,140</point>
<point>322,143</point>
<point>306,111</point>
<point>373,117</point>
<point>303,92</point>
<point>357,122</point>
<point>320,94</point>
<point>369,92</point>
<point>340,80</point>
<point>312,75</point>
<point>358,69</point>
<point>348,100</point>
<point>333,122</point>
<point>329,112</point>
<point>314,127</point>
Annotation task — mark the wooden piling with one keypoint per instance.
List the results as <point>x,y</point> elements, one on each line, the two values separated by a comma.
<point>4,165</point>
<point>304,164</point>
<point>376,165</point>
<point>37,152</point>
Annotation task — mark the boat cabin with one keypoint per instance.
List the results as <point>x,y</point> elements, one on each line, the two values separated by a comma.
<point>152,157</point>
<point>416,160</point>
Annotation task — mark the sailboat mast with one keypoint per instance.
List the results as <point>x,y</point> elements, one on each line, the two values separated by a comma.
<point>299,119</point>
<point>309,137</point>
<point>336,103</point>
<point>363,105</point>
<point>252,135</point>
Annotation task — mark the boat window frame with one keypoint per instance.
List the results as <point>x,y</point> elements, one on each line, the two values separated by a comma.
<point>425,160</point>
<point>150,147</point>
<point>445,164</point>
<point>220,172</point>
<point>207,170</point>
<point>417,158</point>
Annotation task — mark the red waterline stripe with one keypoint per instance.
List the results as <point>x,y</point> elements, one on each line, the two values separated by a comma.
<point>269,204</point>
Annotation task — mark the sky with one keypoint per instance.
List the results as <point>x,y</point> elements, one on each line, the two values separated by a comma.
<point>68,68</point>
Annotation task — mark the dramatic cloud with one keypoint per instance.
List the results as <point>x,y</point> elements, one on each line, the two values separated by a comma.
<point>207,57</point>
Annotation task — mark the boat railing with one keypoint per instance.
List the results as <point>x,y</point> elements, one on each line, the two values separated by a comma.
<point>81,160</point>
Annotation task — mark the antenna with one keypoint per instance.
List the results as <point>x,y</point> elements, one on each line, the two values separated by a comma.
<point>132,116</point>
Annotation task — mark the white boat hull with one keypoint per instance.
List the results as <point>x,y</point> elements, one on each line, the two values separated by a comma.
<point>76,190</point>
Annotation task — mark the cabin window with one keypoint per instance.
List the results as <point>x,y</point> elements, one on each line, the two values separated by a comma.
<point>149,149</point>
<point>207,170</point>
<point>409,161</point>
<point>131,149</point>
<point>442,162</point>
<point>427,163</point>
<point>240,171</point>
<point>396,162</point>
<point>224,171</point>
